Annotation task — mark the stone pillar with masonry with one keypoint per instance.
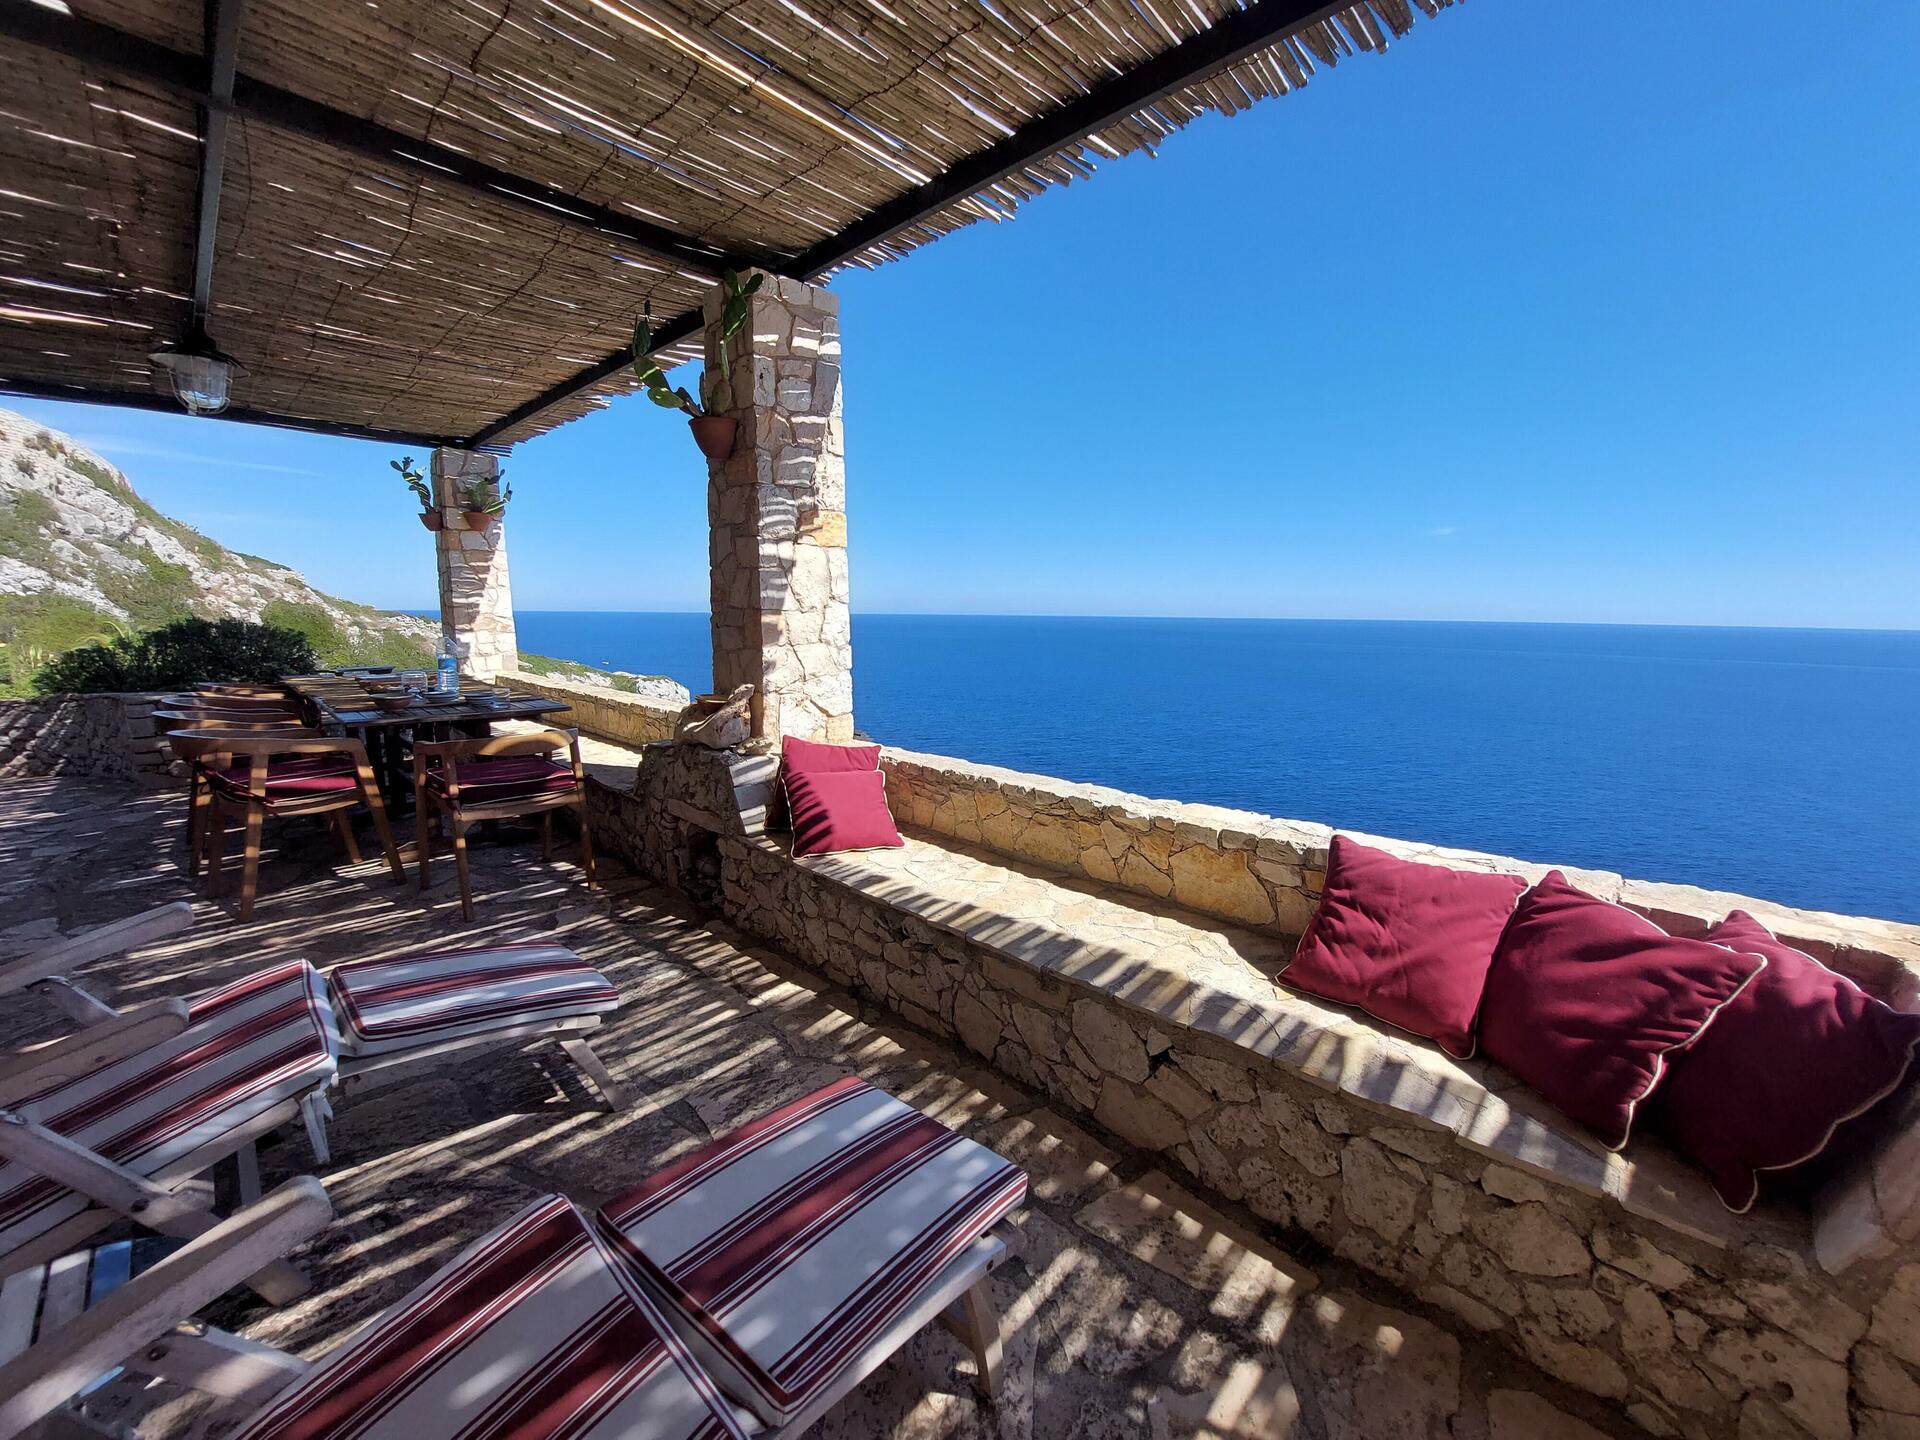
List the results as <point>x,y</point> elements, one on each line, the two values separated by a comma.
<point>476,604</point>
<point>776,514</point>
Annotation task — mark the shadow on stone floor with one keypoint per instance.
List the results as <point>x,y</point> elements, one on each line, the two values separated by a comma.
<point>1132,1308</point>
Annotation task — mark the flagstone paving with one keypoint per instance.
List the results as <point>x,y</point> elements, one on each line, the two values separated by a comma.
<point>1133,1307</point>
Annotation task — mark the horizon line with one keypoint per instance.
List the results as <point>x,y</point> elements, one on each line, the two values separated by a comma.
<point>1259,619</point>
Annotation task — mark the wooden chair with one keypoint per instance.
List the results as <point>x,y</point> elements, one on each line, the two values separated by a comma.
<point>170,720</point>
<point>501,777</point>
<point>280,773</point>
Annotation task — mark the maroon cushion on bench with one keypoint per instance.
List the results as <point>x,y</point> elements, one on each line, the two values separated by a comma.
<point>1798,1053</point>
<point>802,757</point>
<point>1407,943</point>
<point>1585,1001</point>
<point>840,810</point>
<point>496,779</point>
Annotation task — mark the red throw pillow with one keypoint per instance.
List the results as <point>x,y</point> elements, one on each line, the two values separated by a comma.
<point>813,757</point>
<point>1407,943</point>
<point>840,810</point>
<point>1797,1054</point>
<point>1585,1000</point>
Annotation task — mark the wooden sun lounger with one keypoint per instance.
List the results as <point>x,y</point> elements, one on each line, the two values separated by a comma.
<point>692,1306</point>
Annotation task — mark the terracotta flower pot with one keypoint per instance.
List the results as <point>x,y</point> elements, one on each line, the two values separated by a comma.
<point>476,519</point>
<point>433,519</point>
<point>713,434</point>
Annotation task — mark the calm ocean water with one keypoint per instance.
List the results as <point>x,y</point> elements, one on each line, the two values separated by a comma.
<point>1777,763</point>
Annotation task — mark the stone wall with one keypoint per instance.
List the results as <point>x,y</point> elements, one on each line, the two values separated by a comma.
<point>777,515</point>
<point>1690,1338</point>
<point>1616,1275</point>
<point>599,710</point>
<point>476,598</point>
<point>96,737</point>
<point>1266,873</point>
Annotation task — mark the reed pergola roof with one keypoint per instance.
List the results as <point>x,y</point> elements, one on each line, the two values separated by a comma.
<point>437,220</point>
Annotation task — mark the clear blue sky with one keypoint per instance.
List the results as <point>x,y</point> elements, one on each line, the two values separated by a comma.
<point>1595,311</point>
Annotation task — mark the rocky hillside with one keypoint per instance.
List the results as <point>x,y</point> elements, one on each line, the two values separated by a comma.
<point>83,558</point>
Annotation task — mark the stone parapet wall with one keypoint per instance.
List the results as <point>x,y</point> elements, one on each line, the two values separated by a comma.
<point>96,737</point>
<point>1266,873</point>
<point>598,710</point>
<point>1616,1274</point>
<point>1746,1338</point>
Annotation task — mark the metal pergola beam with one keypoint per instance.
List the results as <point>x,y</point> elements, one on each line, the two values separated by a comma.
<point>222,58</point>
<point>1227,42</point>
<point>166,404</point>
<point>102,46</point>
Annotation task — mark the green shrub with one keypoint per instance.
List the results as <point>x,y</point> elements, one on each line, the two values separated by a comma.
<point>185,653</point>
<point>24,523</point>
<point>36,628</point>
<point>310,620</point>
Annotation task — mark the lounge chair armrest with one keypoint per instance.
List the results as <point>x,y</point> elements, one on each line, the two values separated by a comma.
<point>71,1056</point>
<point>180,1211</point>
<point>115,938</point>
<point>147,1306</point>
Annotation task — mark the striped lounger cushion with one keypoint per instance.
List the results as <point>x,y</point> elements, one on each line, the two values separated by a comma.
<point>419,1000</point>
<point>248,1048</point>
<point>534,1331</point>
<point>793,1243</point>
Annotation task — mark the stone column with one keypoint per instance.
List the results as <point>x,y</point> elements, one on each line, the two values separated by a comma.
<point>476,605</point>
<point>776,512</point>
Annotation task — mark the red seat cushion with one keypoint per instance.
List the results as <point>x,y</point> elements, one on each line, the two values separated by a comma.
<point>1407,943</point>
<point>799,757</point>
<point>840,810</point>
<point>1794,1056</point>
<point>497,779</point>
<point>1585,1000</point>
<point>296,777</point>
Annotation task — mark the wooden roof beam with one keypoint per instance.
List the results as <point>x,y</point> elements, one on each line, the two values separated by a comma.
<point>223,56</point>
<point>149,400</point>
<point>103,47</point>
<point>1227,42</point>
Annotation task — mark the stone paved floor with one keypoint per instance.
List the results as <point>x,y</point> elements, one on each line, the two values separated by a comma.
<point>1132,1308</point>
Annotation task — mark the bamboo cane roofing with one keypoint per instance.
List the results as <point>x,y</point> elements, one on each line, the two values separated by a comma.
<point>381,296</point>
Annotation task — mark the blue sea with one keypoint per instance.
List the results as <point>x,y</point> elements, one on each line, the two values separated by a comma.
<point>1776,763</point>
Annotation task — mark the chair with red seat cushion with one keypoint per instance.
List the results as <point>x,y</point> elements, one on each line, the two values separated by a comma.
<point>500,777</point>
<point>257,773</point>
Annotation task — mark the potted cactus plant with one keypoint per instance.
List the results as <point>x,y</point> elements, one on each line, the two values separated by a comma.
<point>430,515</point>
<point>482,500</point>
<point>712,433</point>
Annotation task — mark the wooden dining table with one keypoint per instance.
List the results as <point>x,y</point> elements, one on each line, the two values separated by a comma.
<point>343,705</point>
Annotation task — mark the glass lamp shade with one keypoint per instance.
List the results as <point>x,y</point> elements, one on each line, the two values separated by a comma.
<point>201,378</point>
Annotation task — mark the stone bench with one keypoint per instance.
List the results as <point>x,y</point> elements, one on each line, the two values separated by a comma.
<point>1619,1274</point>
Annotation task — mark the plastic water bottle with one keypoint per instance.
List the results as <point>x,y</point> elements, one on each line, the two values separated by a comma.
<point>449,678</point>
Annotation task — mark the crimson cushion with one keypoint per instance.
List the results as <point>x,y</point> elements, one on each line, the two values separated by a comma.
<point>799,757</point>
<point>492,780</point>
<point>840,810</point>
<point>1795,1055</point>
<point>1585,1000</point>
<point>1407,943</point>
<point>294,778</point>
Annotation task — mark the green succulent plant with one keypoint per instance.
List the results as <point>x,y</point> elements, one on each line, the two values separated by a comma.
<point>488,495</point>
<point>416,481</point>
<point>733,318</point>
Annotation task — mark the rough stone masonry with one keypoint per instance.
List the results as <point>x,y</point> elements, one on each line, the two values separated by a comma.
<point>776,513</point>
